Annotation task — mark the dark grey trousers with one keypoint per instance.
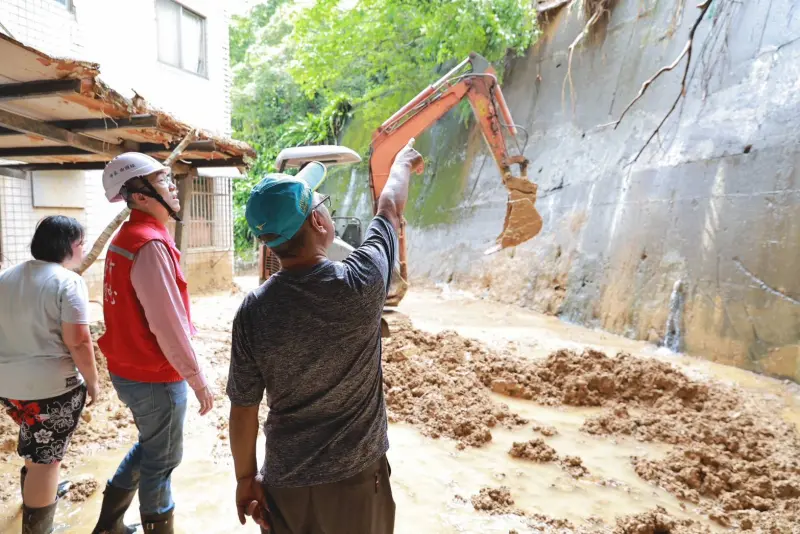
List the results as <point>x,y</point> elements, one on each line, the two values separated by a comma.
<point>361,504</point>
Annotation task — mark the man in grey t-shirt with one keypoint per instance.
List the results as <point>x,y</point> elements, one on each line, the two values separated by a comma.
<point>310,337</point>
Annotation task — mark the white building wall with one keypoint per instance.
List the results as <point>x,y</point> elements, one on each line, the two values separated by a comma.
<point>125,44</point>
<point>44,24</point>
<point>120,35</point>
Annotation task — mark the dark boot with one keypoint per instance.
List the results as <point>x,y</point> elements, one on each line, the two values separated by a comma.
<point>63,486</point>
<point>159,524</point>
<point>115,503</point>
<point>38,520</point>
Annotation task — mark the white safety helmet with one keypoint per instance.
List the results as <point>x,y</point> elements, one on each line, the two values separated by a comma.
<point>126,167</point>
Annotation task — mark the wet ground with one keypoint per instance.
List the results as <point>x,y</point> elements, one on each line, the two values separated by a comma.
<point>433,480</point>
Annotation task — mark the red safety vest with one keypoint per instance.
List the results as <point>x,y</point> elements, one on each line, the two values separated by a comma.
<point>128,344</point>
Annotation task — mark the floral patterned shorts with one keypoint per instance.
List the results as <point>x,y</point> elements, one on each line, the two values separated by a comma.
<point>46,426</point>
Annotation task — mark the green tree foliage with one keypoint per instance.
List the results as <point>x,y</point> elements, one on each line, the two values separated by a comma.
<point>380,53</point>
<point>300,74</point>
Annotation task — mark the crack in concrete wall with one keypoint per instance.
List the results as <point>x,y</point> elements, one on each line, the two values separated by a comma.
<point>763,285</point>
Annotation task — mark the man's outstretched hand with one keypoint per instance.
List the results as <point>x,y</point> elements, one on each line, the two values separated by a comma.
<point>251,500</point>
<point>410,158</point>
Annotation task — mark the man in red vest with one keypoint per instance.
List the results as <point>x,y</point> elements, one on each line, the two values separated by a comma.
<point>147,342</point>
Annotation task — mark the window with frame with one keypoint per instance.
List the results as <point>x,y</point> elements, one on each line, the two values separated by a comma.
<point>66,3</point>
<point>201,213</point>
<point>181,37</point>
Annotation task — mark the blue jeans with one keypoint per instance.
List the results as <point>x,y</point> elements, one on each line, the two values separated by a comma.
<point>158,411</point>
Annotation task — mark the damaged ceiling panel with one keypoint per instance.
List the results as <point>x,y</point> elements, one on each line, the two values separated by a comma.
<point>58,114</point>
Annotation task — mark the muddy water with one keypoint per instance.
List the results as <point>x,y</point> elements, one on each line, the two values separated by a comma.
<point>432,480</point>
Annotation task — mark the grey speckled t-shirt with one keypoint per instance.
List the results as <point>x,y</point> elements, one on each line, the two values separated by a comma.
<point>312,340</point>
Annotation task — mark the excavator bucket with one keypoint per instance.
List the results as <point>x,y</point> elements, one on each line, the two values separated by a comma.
<point>398,288</point>
<point>522,220</point>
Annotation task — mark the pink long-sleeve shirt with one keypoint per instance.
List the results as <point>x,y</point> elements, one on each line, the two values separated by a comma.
<point>153,277</point>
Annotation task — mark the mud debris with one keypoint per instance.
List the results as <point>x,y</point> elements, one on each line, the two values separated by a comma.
<point>545,430</point>
<point>81,488</point>
<point>733,458</point>
<point>9,486</point>
<point>657,521</point>
<point>536,450</point>
<point>495,501</point>
<point>574,466</point>
<point>589,379</point>
<point>429,381</point>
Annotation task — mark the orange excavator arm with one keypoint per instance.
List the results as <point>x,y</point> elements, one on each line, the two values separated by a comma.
<point>474,79</point>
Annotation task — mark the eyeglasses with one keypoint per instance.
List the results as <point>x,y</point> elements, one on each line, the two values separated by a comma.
<point>325,200</point>
<point>166,180</point>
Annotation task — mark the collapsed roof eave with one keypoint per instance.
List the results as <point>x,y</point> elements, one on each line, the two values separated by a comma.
<point>56,113</point>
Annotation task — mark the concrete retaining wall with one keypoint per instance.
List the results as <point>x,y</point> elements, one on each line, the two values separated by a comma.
<point>712,203</point>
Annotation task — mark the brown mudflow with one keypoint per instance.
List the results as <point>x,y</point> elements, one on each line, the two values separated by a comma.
<point>733,457</point>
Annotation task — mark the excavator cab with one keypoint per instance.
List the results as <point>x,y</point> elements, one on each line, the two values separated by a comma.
<point>313,163</point>
<point>328,155</point>
<point>348,229</point>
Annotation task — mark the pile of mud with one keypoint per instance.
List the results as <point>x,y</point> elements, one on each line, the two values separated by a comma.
<point>535,450</point>
<point>499,501</point>
<point>545,430</point>
<point>589,379</point>
<point>441,383</point>
<point>430,381</point>
<point>81,488</point>
<point>495,501</point>
<point>733,458</point>
<point>657,521</point>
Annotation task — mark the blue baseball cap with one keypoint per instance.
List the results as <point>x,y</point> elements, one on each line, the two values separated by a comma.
<point>278,204</point>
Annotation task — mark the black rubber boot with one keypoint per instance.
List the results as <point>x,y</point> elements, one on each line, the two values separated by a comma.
<point>115,503</point>
<point>159,524</point>
<point>63,486</point>
<point>38,520</point>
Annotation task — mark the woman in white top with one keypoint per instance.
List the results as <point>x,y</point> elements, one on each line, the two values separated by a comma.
<point>47,363</point>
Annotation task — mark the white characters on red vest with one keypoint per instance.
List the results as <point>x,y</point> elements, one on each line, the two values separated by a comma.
<point>109,294</point>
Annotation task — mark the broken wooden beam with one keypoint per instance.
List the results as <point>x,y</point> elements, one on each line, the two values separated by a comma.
<point>27,125</point>
<point>38,89</point>
<point>205,145</point>
<point>144,148</point>
<point>104,124</point>
<point>41,151</point>
<point>178,168</point>
<point>185,185</point>
<point>102,239</point>
<point>178,150</point>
